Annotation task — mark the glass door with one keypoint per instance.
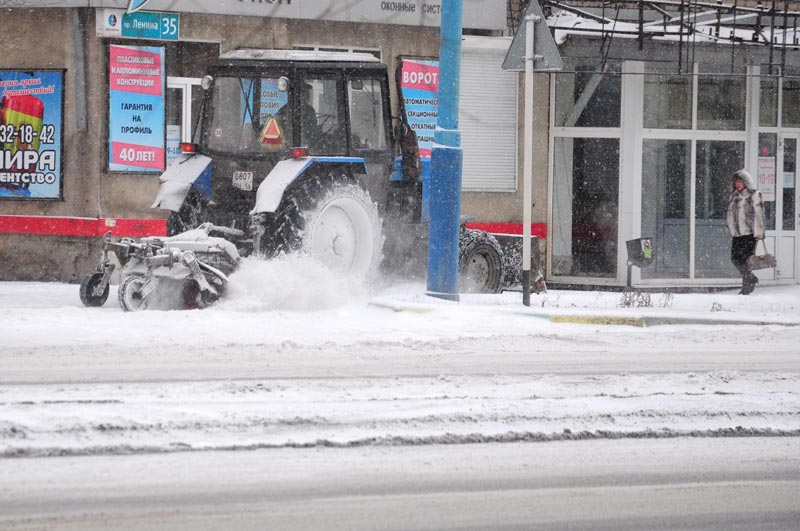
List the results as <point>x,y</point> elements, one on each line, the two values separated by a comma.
<point>785,244</point>
<point>183,96</point>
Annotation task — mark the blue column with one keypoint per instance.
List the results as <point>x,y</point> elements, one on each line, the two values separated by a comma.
<point>446,162</point>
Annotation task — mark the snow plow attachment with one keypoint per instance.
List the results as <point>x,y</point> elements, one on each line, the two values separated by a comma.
<point>185,271</point>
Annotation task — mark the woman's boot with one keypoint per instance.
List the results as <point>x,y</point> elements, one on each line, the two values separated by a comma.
<point>749,281</point>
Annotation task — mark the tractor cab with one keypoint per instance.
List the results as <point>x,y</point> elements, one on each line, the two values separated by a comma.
<point>262,106</point>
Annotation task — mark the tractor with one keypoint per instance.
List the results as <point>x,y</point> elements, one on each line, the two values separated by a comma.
<point>298,151</point>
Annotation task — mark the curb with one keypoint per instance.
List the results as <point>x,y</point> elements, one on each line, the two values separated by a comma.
<point>635,321</point>
<point>401,308</point>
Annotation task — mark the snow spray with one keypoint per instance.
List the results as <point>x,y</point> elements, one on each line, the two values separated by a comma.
<point>292,282</point>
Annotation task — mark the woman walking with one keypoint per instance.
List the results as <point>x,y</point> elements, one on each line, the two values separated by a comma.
<point>745,221</point>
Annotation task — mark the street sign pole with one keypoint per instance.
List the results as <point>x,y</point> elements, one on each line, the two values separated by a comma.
<point>527,187</point>
<point>446,163</point>
<point>530,51</point>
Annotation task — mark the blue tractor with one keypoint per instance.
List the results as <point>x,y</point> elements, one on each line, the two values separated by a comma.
<point>299,151</point>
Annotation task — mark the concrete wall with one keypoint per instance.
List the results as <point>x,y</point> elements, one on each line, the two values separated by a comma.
<point>41,39</point>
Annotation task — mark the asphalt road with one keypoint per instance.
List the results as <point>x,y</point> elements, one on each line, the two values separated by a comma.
<point>730,484</point>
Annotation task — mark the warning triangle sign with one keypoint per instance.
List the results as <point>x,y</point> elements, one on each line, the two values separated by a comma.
<point>546,57</point>
<point>271,133</point>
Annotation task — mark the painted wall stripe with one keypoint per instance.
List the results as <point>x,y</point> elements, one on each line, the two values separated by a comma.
<point>82,227</point>
<point>136,228</point>
<point>537,229</point>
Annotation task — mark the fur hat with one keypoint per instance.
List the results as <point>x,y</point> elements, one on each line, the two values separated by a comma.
<point>746,178</point>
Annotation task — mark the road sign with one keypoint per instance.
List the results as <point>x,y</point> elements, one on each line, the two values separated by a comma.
<point>546,56</point>
<point>136,5</point>
<point>138,25</point>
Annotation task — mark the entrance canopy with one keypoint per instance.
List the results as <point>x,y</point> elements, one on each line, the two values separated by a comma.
<point>682,31</point>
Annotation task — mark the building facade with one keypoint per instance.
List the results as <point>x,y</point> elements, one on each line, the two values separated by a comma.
<point>636,137</point>
<point>62,67</point>
<point>649,119</point>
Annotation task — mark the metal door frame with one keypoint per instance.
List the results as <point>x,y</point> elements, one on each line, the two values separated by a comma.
<point>184,84</point>
<point>779,231</point>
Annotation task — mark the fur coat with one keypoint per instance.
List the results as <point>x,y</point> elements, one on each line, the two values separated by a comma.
<point>746,208</point>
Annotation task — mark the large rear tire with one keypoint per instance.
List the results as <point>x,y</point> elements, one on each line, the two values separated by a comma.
<point>336,223</point>
<point>480,262</point>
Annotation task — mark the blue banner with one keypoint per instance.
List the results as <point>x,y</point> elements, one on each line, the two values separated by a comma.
<point>137,131</point>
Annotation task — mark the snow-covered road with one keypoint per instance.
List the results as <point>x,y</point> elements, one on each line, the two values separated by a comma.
<point>304,360</point>
<point>80,419</point>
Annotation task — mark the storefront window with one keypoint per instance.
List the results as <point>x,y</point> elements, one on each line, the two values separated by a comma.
<point>721,101</point>
<point>790,115</point>
<point>716,163</point>
<point>589,97</point>
<point>666,192</point>
<point>788,178</point>
<point>586,206</point>
<point>667,98</point>
<point>767,155</point>
<point>768,107</point>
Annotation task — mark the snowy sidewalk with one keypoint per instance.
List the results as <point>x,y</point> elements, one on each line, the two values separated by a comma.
<point>772,305</point>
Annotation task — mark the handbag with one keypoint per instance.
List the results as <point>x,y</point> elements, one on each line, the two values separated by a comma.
<point>763,261</point>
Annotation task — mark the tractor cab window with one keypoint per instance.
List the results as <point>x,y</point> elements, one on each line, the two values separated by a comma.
<point>243,116</point>
<point>320,118</point>
<point>368,131</point>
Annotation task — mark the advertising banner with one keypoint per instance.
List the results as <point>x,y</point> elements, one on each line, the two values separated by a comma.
<point>136,118</point>
<point>419,84</point>
<point>31,117</point>
<point>419,88</point>
<point>173,143</point>
<point>272,99</point>
<point>766,178</point>
<point>477,14</point>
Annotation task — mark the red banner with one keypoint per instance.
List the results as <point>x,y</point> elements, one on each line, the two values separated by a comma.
<point>420,76</point>
<point>136,155</point>
<point>134,70</point>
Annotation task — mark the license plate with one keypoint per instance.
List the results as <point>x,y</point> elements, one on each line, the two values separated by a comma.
<point>243,180</point>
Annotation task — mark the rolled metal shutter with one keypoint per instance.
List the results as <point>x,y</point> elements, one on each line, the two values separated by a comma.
<point>488,116</point>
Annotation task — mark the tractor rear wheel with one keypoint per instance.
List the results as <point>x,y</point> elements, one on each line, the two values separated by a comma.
<point>480,262</point>
<point>336,223</point>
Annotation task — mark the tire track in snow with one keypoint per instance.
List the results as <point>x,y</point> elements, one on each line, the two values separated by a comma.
<point>444,439</point>
<point>82,419</point>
